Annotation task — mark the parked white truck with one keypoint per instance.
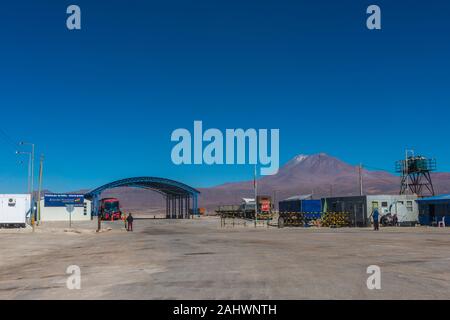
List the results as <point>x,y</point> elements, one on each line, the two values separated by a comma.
<point>13,210</point>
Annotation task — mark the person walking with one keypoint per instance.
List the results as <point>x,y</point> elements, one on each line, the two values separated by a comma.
<point>375,216</point>
<point>130,222</point>
<point>124,219</point>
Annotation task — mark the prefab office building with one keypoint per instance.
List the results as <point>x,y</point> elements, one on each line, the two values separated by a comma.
<point>361,207</point>
<point>54,207</point>
<point>14,209</point>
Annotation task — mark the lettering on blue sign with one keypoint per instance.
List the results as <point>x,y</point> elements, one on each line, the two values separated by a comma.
<point>62,200</point>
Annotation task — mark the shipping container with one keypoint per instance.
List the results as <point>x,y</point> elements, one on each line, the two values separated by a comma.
<point>300,205</point>
<point>299,211</point>
<point>433,210</point>
<point>14,209</point>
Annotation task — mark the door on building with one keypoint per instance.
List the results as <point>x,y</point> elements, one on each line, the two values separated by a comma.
<point>432,214</point>
<point>359,219</point>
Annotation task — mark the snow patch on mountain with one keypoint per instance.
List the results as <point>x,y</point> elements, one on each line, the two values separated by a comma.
<point>300,158</point>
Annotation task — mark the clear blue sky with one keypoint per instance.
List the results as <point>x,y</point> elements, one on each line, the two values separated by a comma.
<point>101,102</point>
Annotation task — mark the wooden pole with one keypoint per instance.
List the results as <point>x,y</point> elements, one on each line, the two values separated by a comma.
<point>41,169</point>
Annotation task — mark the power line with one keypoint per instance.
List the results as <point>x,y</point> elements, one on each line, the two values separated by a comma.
<point>379,169</point>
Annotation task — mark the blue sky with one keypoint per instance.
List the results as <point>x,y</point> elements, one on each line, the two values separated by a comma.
<point>101,102</point>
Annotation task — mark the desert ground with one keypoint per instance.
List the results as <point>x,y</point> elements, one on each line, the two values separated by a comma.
<point>199,259</point>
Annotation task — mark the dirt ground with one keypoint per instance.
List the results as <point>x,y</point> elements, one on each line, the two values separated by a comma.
<point>197,259</point>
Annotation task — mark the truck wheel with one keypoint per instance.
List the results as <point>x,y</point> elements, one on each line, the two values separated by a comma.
<point>281,222</point>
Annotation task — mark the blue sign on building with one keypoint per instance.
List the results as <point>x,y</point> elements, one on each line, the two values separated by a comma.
<point>63,199</point>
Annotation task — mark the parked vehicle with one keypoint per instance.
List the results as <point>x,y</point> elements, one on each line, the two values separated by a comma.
<point>246,209</point>
<point>110,209</point>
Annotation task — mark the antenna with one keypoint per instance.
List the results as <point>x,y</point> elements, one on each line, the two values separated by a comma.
<point>360,179</point>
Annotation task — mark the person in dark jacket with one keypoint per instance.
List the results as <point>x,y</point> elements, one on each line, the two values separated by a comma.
<point>375,216</point>
<point>395,220</point>
<point>130,222</point>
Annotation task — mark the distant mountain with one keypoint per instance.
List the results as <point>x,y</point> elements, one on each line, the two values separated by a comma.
<point>133,199</point>
<point>319,174</point>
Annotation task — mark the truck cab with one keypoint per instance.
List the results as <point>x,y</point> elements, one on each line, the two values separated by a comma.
<point>110,209</point>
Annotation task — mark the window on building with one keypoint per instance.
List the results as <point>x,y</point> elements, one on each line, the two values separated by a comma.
<point>384,204</point>
<point>409,206</point>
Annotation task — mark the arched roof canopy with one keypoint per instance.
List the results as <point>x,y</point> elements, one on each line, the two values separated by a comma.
<point>164,186</point>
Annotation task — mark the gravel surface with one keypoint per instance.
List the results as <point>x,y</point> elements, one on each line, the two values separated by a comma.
<point>197,259</point>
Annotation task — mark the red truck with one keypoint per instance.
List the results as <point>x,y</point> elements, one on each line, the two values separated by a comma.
<point>110,209</point>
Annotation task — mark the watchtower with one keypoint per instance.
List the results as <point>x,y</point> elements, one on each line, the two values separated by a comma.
<point>416,174</point>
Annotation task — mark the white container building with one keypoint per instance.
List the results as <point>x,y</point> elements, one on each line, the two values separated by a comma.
<point>54,207</point>
<point>361,207</point>
<point>14,209</point>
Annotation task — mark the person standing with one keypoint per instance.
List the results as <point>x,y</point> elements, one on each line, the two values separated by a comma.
<point>395,220</point>
<point>376,216</point>
<point>124,219</point>
<point>130,222</point>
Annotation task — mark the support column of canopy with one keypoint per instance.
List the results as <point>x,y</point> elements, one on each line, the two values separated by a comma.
<point>179,206</point>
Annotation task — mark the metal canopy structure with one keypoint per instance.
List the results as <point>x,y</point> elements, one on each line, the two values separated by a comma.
<point>178,195</point>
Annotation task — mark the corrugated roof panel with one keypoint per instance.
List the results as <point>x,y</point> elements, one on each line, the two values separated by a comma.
<point>300,197</point>
<point>441,197</point>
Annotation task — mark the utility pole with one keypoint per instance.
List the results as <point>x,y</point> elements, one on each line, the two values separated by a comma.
<point>31,191</point>
<point>360,180</point>
<point>32,165</point>
<point>41,170</point>
<point>405,170</point>
<point>32,170</point>
<point>29,176</point>
<point>274,199</point>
